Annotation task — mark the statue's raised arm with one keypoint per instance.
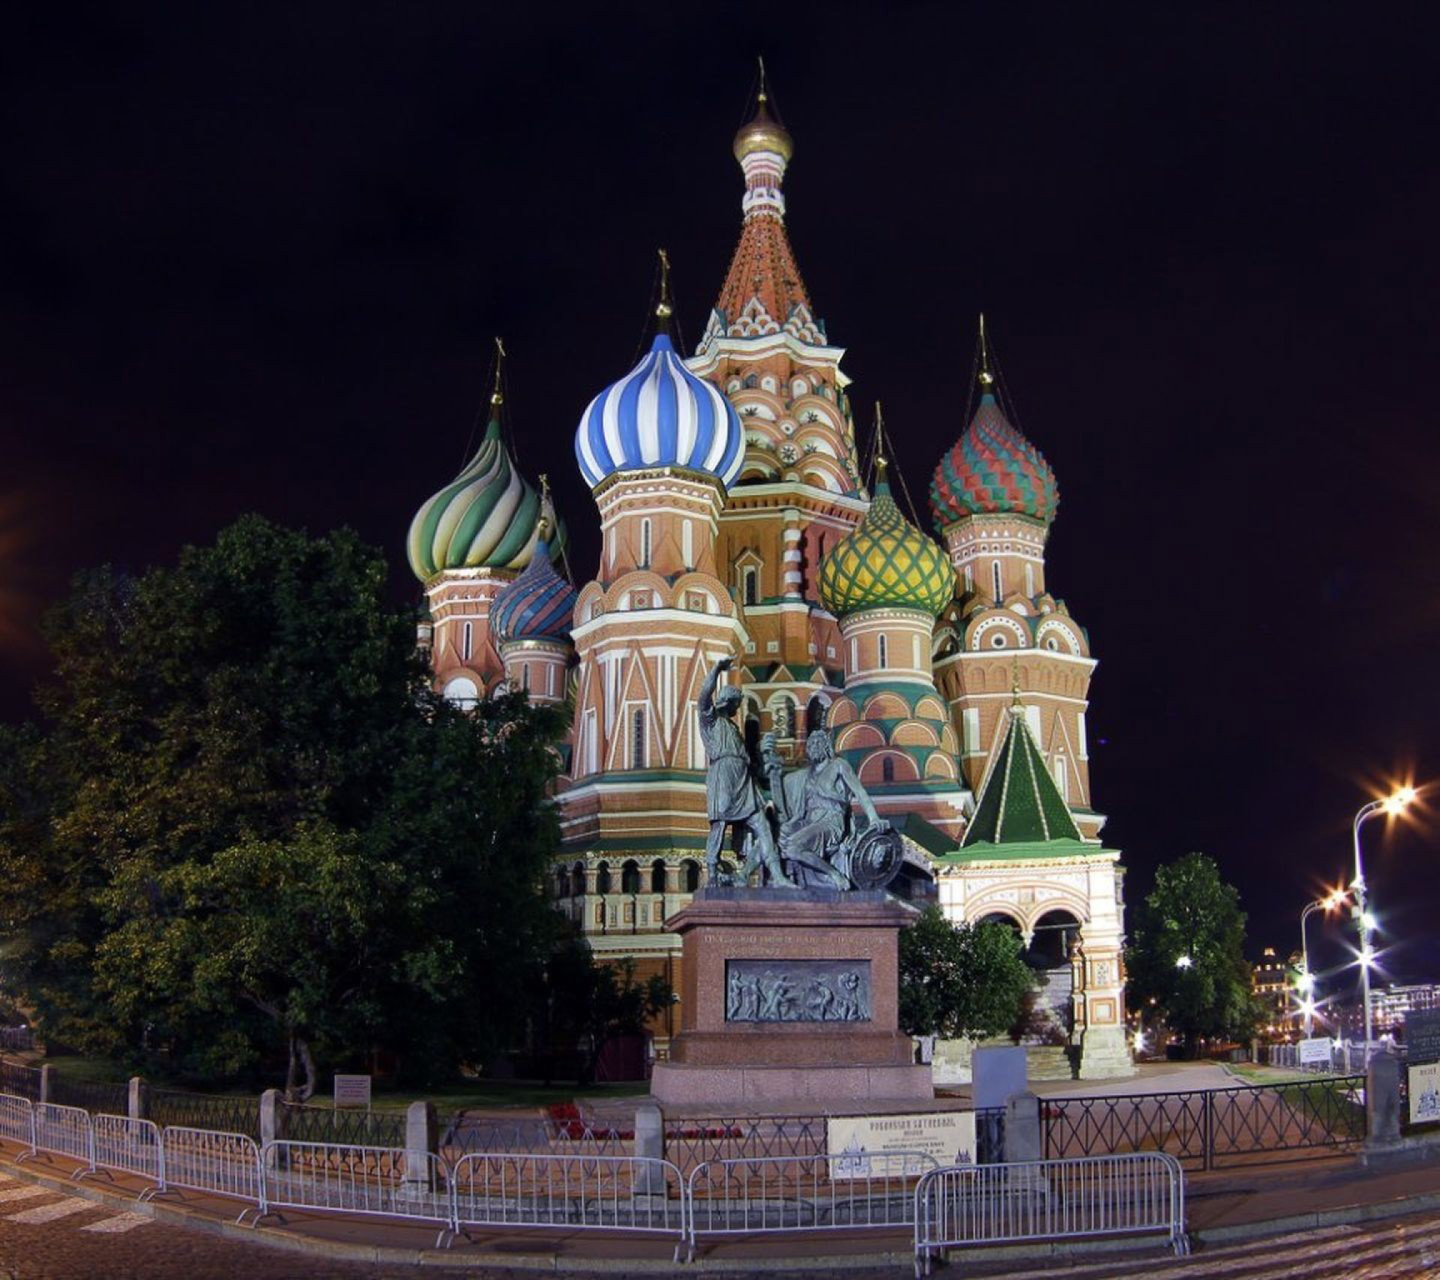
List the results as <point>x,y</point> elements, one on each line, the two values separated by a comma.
<point>707,689</point>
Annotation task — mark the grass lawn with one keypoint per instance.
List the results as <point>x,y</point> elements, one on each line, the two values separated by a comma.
<point>1249,1073</point>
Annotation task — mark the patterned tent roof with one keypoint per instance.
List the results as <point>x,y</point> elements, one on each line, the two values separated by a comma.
<point>1020,803</point>
<point>538,605</point>
<point>992,468</point>
<point>886,561</point>
<point>486,517</point>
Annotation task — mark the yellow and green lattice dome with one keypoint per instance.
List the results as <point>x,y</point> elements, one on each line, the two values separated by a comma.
<point>886,563</point>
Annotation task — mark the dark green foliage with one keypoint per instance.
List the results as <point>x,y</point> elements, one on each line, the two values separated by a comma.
<point>249,829</point>
<point>966,980</point>
<point>1192,913</point>
<point>591,1003</point>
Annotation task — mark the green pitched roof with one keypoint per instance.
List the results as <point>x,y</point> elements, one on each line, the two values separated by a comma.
<point>1020,803</point>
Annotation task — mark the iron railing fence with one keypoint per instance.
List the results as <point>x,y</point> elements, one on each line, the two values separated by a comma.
<point>786,1193</point>
<point>227,1113</point>
<point>16,1039</point>
<point>90,1095</point>
<point>19,1080</point>
<point>700,1140</point>
<point>301,1123</point>
<point>462,1135</point>
<point>1049,1199</point>
<point>1204,1128</point>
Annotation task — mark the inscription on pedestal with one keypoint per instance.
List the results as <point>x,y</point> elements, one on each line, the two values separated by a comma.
<point>797,991</point>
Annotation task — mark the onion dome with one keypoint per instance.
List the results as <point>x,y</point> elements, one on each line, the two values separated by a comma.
<point>487,517</point>
<point>763,133</point>
<point>539,604</point>
<point>992,469</point>
<point>886,563</point>
<point>660,415</point>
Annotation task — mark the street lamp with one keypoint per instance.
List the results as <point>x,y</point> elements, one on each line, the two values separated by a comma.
<point>1306,981</point>
<point>1393,804</point>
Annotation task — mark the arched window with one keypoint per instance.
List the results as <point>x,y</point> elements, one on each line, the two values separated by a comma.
<point>602,878</point>
<point>657,876</point>
<point>884,651</point>
<point>751,581</point>
<point>562,883</point>
<point>630,877</point>
<point>637,739</point>
<point>887,769</point>
<point>969,581</point>
<point>1029,579</point>
<point>467,644</point>
<point>525,677</point>
<point>995,578</point>
<point>814,714</point>
<point>785,715</point>
<point>645,544</point>
<point>692,875</point>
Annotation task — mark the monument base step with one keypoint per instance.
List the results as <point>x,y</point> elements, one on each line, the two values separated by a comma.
<point>681,1085</point>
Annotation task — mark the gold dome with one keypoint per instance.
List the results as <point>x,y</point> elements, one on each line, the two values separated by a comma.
<point>763,133</point>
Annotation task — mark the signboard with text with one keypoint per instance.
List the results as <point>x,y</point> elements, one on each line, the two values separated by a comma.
<point>352,1091</point>
<point>1422,1035</point>
<point>1315,1051</point>
<point>1424,1092</point>
<point>865,1146</point>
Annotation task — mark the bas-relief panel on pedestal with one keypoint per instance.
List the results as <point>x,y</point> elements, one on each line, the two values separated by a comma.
<point>797,991</point>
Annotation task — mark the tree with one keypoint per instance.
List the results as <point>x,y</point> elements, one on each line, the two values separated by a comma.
<point>967,980</point>
<point>1186,957</point>
<point>249,829</point>
<point>593,1003</point>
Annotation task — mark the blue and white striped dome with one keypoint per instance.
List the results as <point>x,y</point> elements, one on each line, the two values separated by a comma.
<point>660,415</point>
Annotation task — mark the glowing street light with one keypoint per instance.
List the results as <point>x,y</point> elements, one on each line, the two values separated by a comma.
<point>1306,980</point>
<point>1184,962</point>
<point>1395,803</point>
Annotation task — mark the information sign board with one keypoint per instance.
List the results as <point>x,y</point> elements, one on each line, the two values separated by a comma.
<point>1424,1092</point>
<point>862,1146</point>
<point>1315,1051</point>
<point>1422,1035</point>
<point>352,1091</point>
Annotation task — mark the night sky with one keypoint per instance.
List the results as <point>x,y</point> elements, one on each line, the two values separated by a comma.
<point>253,258</point>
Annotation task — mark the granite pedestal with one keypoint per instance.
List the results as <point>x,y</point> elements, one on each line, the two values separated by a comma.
<point>790,995</point>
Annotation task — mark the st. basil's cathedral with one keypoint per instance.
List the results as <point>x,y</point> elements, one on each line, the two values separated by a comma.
<point>736,519</point>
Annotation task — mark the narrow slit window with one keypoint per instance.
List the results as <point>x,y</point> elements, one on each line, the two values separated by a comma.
<point>644,544</point>
<point>995,578</point>
<point>884,647</point>
<point>467,645</point>
<point>637,740</point>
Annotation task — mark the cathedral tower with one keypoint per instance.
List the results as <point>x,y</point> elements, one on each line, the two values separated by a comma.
<point>798,489</point>
<point>993,498</point>
<point>465,544</point>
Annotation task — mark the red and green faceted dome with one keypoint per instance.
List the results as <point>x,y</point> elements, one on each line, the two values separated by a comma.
<point>992,470</point>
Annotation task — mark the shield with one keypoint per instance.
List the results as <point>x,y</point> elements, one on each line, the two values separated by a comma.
<point>875,860</point>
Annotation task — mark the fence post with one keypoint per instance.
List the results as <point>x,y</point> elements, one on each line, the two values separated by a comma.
<point>272,1117</point>
<point>1022,1128</point>
<point>1208,1123</point>
<point>420,1145</point>
<point>1382,1102</point>
<point>650,1144</point>
<point>137,1103</point>
<point>47,1082</point>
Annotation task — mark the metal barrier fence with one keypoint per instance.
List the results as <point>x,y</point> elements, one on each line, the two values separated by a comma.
<point>217,1164</point>
<point>1206,1127</point>
<point>1046,1199</point>
<point>764,1194</point>
<point>384,1182</point>
<point>128,1146</point>
<point>626,1194</point>
<point>17,1119</point>
<point>64,1131</point>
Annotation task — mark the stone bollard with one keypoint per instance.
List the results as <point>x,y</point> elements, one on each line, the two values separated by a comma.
<point>1382,1102</point>
<point>138,1100</point>
<point>1022,1127</point>
<point>272,1117</point>
<point>649,1190</point>
<point>47,1082</point>
<point>421,1142</point>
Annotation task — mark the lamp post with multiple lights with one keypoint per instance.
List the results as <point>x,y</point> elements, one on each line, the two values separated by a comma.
<point>1306,978</point>
<point>1365,922</point>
